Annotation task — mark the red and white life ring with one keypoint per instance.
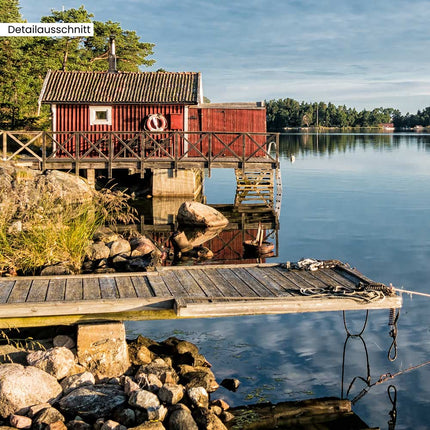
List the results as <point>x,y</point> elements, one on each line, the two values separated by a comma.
<point>156,122</point>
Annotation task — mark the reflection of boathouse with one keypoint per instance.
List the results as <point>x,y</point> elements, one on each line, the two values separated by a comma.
<point>227,244</point>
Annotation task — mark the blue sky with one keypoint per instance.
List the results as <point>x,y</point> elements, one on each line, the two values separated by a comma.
<point>362,53</point>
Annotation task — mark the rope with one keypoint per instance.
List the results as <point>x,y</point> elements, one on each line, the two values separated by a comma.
<point>416,293</point>
<point>358,294</point>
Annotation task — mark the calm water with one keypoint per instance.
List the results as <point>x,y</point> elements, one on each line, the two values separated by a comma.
<point>362,199</point>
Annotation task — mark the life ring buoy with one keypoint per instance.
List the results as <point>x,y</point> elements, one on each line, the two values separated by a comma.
<point>156,122</point>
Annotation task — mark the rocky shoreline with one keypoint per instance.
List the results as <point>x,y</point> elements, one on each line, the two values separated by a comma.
<point>112,385</point>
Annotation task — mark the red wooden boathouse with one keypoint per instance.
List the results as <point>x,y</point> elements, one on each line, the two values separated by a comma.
<point>157,102</point>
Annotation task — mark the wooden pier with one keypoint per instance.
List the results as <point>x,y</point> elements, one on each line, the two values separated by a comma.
<point>109,150</point>
<point>189,292</point>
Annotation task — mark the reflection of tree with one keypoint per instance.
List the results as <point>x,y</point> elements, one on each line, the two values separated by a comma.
<point>325,143</point>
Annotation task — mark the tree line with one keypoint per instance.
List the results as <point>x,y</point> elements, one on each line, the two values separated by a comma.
<point>24,61</point>
<point>289,113</point>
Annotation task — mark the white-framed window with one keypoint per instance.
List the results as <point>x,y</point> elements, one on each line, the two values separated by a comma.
<point>100,115</point>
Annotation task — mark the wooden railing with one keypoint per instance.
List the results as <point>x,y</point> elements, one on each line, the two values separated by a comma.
<point>119,149</point>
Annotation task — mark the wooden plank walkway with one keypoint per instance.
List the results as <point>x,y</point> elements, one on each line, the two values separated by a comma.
<point>188,292</point>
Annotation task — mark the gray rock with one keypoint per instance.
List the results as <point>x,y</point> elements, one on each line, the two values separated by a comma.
<point>119,247</point>
<point>35,409</point>
<point>92,402</point>
<point>58,425</point>
<point>139,354</point>
<point>22,387</point>
<point>159,368</point>
<point>171,393</point>
<point>64,340</point>
<point>181,419</point>
<point>57,361</point>
<point>149,382</point>
<point>78,425</point>
<point>150,426</point>
<point>125,416</point>
<point>59,269</point>
<point>198,214</point>
<point>105,234</point>
<point>207,420</point>
<point>130,385</point>
<point>141,246</point>
<point>231,384</point>
<point>201,378</point>
<point>75,381</point>
<point>112,425</point>
<point>199,397</point>
<point>20,421</point>
<point>97,251</point>
<point>45,417</point>
<point>143,399</point>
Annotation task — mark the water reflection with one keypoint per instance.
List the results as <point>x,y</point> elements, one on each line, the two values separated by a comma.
<point>324,143</point>
<point>227,245</point>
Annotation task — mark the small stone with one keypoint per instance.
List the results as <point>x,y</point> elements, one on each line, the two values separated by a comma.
<point>221,403</point>
<point>58,425</point>
<point>171,393</point>
<point>216,410</point>
<point>139,354</point>
<point>56,270</point>
<point>75,381</point>
<point>150,426</point>
<point>20,422</point>
<point>46,417</point>
<point>226,416</point>
<point>35,409</point>
<point>63,340</point>
<point>78,425</point>
<point>208,420</point>
<point>200,378</point>
<point>199,397</point>
<point>157,414</point>
<point>97,251</point>
<point>130,385</point>
<point>112,425</point>
<point>98,424</point>
<point>119,247</point>
<point>105,234</point>
<point>160,369</point>
<point>126,417</point>
<point>231,384</point>
<point>143,399</point>
<point>181,418</point>
<point>149,382</point>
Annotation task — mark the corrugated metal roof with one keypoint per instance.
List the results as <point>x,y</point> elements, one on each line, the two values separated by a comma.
<point>121,87</point>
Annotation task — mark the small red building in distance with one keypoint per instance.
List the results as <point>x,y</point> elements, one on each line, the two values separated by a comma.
<point>142,101</point>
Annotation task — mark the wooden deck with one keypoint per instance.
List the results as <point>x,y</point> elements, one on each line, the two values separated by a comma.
<point>138,151</point>
<point>186,292</point>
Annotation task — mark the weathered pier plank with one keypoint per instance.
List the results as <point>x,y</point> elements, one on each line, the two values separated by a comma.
<point>189,292</point>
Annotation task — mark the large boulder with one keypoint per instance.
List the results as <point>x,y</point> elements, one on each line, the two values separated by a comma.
<point>24,185</point>
<point>198,214</point>
<point>21,387</point>
<point>93,401</point>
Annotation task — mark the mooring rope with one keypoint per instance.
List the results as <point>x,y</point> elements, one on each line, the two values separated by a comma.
<point>359,294</point>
